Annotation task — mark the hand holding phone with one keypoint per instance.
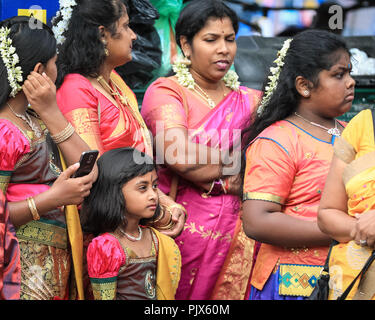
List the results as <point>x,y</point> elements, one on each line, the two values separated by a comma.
<point>86,163</point>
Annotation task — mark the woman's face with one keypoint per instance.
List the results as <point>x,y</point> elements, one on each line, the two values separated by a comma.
<point>335,92</point>
<point>213,49</point>
<point>120,44</point>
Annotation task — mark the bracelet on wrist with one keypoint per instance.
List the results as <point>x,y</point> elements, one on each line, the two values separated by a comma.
<point>33,209</point>
<point>64,134</point>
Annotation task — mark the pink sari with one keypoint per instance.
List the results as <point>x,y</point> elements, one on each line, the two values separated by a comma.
<point>208,272</point>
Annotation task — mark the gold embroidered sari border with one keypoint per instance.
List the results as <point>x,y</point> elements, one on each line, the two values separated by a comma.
<point>263,196</point>
<point>45,233</point>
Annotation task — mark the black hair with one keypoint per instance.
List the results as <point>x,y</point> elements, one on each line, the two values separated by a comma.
<point>195,14</point>
<point>34,43</point>
<point>83,51</point>
<point>310,52</point>
<point>103,210</point>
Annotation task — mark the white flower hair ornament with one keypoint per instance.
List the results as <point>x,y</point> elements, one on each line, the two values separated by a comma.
<point>65,12</point>
<point>273,79</point>
<point>185,78</point>
<point>10,59</point>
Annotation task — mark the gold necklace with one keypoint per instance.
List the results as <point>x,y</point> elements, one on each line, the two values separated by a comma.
<point>205,96</point>
<point>28,120</point>
<point>133,109</point>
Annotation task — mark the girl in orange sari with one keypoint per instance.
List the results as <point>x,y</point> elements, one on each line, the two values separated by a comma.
<point>204,109</point>
<point>287,161</point>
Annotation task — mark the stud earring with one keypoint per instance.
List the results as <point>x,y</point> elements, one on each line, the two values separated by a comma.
<point>306,93</point>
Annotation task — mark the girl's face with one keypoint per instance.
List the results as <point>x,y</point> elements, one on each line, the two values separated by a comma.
<point>335,92</point>
<point>141,196</point>
<point>120,45</point>
<point>213,49</point>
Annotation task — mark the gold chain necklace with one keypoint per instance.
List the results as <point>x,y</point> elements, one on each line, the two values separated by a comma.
<point>125,101</point>
<point>28,120</point>
<point>205,96</point>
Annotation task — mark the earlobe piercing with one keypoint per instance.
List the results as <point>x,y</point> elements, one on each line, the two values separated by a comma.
<point>306,93</point>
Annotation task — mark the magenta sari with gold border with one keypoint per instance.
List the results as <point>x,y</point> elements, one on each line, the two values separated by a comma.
<point>210,227</point>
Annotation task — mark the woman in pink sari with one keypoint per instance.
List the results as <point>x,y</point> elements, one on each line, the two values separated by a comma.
<point>196,117</point>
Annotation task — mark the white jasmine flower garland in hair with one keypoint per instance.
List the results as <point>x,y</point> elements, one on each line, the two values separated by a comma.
<point>10,59</point>
<point>185,78</point>
<point>273,79</point>
<point>65,12</point>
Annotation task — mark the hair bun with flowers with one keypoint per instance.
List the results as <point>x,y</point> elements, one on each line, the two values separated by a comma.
<point>64,14</point>
<point>273,79</point>
<point>10,59</point>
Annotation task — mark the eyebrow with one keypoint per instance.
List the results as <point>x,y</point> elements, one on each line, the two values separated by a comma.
<point>146,182</point>
<point>218,34</point>
<point>339,68</point>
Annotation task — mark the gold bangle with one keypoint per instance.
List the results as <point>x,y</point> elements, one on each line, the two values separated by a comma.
<point>161,216</point>
<point>167,226</point>
<point>64,134</point>
<point>179,206</point>
<point>33,209</point>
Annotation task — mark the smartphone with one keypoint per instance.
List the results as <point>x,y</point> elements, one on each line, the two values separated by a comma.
<point>86,163</point>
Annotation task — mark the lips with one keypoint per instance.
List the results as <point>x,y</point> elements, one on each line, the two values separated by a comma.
<point>350,97</point>
<point>222,64</point>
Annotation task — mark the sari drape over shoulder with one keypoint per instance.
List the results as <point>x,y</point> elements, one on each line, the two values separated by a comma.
<point>356,148</point>
<point>101,124</point>
<point>117,273</point>
<point>213,227</point>
<point>288,166</point>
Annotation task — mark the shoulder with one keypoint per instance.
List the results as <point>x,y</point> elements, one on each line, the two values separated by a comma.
<point>251,91</point>
<point>104,256</point>
<point>74,83</point>
<point>12,139</point>
<point>281,133</point>
<point>163,83</point>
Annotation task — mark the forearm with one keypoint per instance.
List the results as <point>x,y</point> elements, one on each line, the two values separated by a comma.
<point>72,147</point>
<point>336,223</point>
<point>280,229</point>
<point>20,212</point>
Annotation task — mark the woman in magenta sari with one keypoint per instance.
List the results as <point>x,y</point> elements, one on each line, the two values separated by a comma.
<point>196,117</point>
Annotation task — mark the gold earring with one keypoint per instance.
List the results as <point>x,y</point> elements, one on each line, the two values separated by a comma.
<point>186,61</point>
<point>106,52</point>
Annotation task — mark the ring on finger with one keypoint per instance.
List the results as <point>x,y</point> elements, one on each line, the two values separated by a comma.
<point>363,243</point>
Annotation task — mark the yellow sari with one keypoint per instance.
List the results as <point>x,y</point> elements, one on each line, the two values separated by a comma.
<point>355,147</point>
